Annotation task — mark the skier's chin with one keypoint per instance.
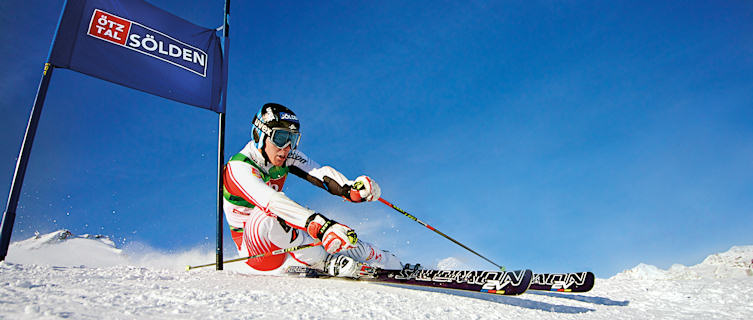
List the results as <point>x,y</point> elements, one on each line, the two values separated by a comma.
<point>278,160</point>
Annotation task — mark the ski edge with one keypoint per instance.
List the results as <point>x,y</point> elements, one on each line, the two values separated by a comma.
<point>496,282</point>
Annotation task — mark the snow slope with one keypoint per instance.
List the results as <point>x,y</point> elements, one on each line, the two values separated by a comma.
<point>64,276</point>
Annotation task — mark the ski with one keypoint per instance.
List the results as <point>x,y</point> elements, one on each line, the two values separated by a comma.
<point>563,282</point>
<point>493,282</point>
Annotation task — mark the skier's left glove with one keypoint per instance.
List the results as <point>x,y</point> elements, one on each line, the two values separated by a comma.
<point>335,236</point>
<point>364,189</point>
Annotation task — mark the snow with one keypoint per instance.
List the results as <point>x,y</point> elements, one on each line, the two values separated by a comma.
<point>60,275</point>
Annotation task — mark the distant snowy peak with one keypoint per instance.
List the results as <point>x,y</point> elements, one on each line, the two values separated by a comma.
<point>452,263</point>
<point>736,262</point>
<point>63,248</point>
<point>642,272</point>
<point>60,236</point>
<point>737,256</point>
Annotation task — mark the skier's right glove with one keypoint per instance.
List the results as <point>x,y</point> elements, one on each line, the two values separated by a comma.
<point>364,189</point>
<point>335,237</point>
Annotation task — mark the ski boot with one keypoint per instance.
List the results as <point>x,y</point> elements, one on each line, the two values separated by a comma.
<point>342,266</point>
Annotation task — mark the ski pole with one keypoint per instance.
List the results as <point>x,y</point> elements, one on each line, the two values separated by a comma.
<point>266,254</point>
<point>437,231</point>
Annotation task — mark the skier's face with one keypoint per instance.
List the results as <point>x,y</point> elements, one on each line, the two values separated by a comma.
<point>276,155</point>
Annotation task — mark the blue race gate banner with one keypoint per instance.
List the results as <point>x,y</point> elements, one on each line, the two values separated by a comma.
<point>137,45</point>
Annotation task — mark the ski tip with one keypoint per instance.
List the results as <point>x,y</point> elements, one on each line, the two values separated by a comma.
<point>564,282</point>
<point>188,268</point>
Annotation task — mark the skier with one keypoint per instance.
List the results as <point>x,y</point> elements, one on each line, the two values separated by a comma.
<point>262,218</point>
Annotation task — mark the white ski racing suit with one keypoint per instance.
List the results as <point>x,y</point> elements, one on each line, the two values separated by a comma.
<point>262,218</point>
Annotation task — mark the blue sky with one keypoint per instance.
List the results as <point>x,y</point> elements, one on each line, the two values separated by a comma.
<point>552,135</point>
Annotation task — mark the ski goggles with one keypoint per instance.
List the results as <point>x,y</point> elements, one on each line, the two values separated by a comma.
<point>282,138</point>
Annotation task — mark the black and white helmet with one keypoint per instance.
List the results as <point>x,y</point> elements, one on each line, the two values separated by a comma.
<point>278,123</point>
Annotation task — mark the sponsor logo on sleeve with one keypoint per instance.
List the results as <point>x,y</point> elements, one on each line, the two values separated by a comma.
<point>145,40</point>
<point>297,158</point>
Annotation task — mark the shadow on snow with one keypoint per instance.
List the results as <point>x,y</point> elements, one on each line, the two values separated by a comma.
<point>595,300</point>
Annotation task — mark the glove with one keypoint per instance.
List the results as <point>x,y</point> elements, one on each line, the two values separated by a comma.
<point>364,189</point>
<point>335,236</point>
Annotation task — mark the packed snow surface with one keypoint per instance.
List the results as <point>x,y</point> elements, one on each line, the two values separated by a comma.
<point>60,275</point>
